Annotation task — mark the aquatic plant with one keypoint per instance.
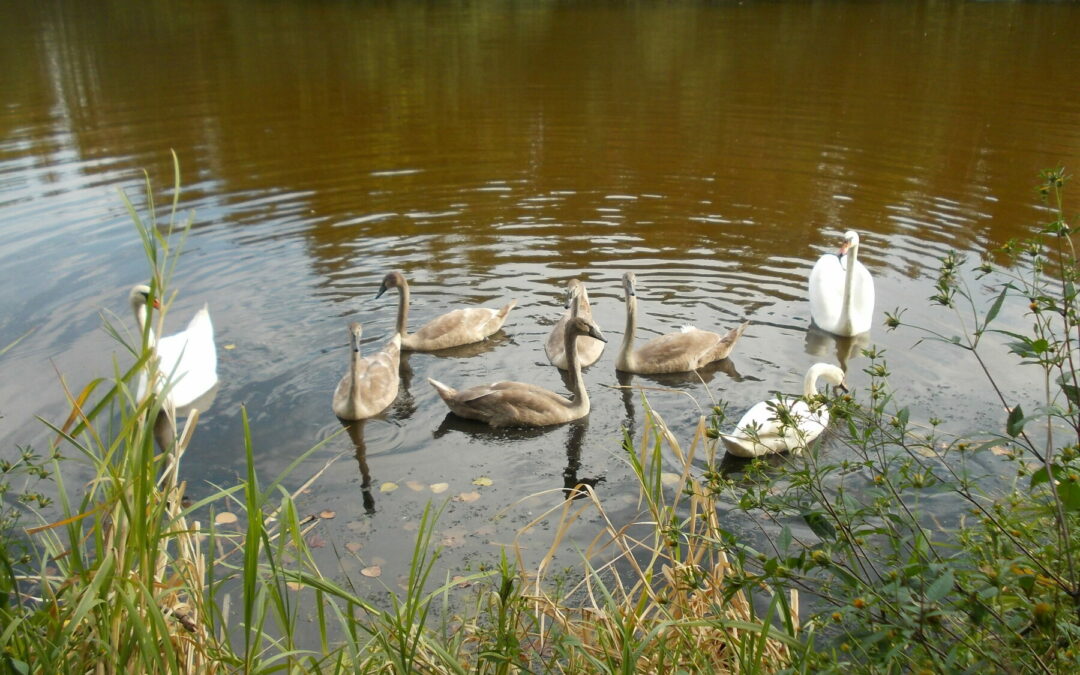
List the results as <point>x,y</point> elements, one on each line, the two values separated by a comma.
<point>892,588</point>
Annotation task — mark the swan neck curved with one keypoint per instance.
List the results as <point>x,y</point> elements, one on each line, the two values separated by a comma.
<point>810,383</point>
<point>577,380</point>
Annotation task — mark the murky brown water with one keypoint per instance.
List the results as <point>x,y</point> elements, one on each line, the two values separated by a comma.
<point>492,150</point>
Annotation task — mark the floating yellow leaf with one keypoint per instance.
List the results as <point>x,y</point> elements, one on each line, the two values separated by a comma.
<point>670,479</point>
<point>483,481</point>
<point>439,488</point>
<point>1001,451</point>
<point>327,515</point>
<point>388,487</point>
<point>230,346</point>
<point>372,571</point>
<point>468,497</point>
<point>293,586</point>
<point>225,518</point>
<point>353,546</point>
<point>415,486</point>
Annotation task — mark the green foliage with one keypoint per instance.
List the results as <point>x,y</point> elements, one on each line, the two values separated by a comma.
<point>894,589</point>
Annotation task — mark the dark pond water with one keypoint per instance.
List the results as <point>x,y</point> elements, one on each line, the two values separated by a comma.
<point>493,150</point>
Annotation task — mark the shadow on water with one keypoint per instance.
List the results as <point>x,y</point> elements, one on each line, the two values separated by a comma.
<point>572,482</point>
<point>478,432</point>
<point>356,433</point>
<point>821,343</point>
<point>632,389</point>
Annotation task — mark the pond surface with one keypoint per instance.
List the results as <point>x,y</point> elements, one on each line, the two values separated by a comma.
<point>492,151</point>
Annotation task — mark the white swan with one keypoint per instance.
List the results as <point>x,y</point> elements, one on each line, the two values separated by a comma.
<point>517,404</point>
<point>842,291</point>
<point>187,361</point>
<point>777,426</point>
<point>681,352</point>
<point>588,348</point>
<point>371,384</point>
<point>459,327</point>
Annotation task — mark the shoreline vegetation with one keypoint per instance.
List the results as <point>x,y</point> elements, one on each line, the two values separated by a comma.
<point>132,578</point>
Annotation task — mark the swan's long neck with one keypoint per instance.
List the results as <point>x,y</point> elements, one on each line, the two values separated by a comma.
<point>403,309</point>
<point>577,381</point>
<point>810,383</point>
<point>626,351</point>
<point>355,373</point>
<point>849,279</point>
<point>140,319</point>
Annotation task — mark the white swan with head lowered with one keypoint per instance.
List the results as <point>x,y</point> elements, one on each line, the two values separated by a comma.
<point>588,348</point>
<point>518,404</point>
<point>681,352</point>
<point>453,329</point>
<point>371,383</point>
<point>842,291</point>
<point>764,429</point>
<point>187,361</point>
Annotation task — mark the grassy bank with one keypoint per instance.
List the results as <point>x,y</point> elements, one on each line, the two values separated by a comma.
<point>852,575</point>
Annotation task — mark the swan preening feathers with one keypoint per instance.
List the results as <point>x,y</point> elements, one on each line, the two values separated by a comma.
<point>842,291</point>
<point>780,425</point>
<point>588,348</point>
<point>187,361</point>
<point>686,350</point>
<point>371,383</point>
<point>517,404</point>
<point>453,329</point>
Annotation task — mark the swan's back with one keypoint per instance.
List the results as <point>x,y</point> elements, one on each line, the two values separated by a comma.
<point>374,385</point>
<point>508,404</point>
<point>459,327</point>
<point>187,360</point>
<point>760,433</point>
<point>686,350</point>
<point>827,280</point>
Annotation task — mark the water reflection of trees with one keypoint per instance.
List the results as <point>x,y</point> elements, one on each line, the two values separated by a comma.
<point>315,115</point>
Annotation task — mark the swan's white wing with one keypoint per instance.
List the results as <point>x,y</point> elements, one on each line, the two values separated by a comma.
<point>188,360</point>
<point>759,432</point>
<point>827,291</point>
<point>862,298</point>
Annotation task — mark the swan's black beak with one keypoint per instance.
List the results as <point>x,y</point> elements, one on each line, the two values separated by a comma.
<point>382,289</point>
<point>594,332</point>
<point>842,387</point>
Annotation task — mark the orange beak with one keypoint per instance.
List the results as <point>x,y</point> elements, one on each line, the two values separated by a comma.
<point>157,304</point>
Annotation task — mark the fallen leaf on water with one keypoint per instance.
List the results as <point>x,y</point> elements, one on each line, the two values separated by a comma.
<point>482,481</point>
<point>225,518</point>
<point>315,541</point>
<point>327,514</point>
<point>670,479</point>
<point>353,546</point>
<point>439,488</point>
<point>410,526</point>
<point>388,487</point>
<point>462,582</point>
<point>230,346</point>
<point>372,571</point>
<point>1001,451</point>
<point>293,586</point>
<point>468,496</point>
<point>415,485</point>
<point>926,452</point>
